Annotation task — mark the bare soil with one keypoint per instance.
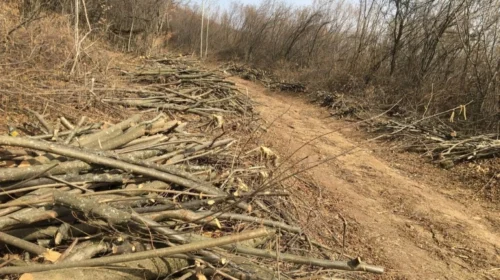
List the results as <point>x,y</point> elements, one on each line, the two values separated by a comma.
<point>415,219</point>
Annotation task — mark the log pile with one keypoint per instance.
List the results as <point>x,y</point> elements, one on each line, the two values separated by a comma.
<point>180,88</point>
<point>440,143</point>
<point>249,73</point>
<point>266,78</point>
<point>287,86</point>
<point>339,105</point>
<point>429,136</point>
<point>131,187</point>
<point>150,196</point>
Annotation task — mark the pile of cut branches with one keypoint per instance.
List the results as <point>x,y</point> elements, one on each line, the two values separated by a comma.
<point>339,105</point>
<point>182,89</point>
<point>439,142</point>
<point>180,60</point>
<point>266,78</point>
<point>139,193</point>
<point>150,196</point>
<point>287,86</point>
<point>249,73</point>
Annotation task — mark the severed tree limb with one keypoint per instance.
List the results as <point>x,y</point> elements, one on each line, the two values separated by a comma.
<point>98,142</point>
<point>183,153</point>
<point>146,140</point>
<point>353,265</point>
<point>177,236</point>
<point>72,178</point>
<point>91,207</point>
<point>142,104</point>
<point>7,153</point>
<point>22,244</point>
<point>33,233</point>
<point>148,143</point>
<point>269,223</point>
<point>74,186</point>
<point>49,255</point>
<point>101,160</point>
<point>103,134</point>
<point>115,142</point>
<point>56,130</point>
<point>171,170</point>
<point>61,233</point>
<point>185,215</point>
<point>116,216</point>
<point>193,204</point>
<point>153,268</point>
<point>75,130</point>
<point>42,120</point>
<point>128,247</point>
<point>185,176</point>
<point>68,250</point>
<point>118,138</point>
<point>14,174</point>
<point>67,123</point>
<point>30,217</point>
<point>139,191</point>
<point>142,255</point>
<point>87,251</point>
<point>165,168</point>
<point>33,198</point>
<point>16,185</point>
<point>39,197</point>
<point>207,153</point>
<point>86,129</point>
<point>187,275</point>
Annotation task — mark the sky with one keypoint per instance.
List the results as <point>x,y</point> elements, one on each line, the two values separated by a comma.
<point>227,3</point>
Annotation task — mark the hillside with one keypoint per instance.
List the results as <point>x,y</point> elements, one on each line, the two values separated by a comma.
<point>123,155</point>
<point>414,218</point>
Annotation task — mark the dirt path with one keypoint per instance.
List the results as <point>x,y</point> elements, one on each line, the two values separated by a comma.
<point>410,226</point>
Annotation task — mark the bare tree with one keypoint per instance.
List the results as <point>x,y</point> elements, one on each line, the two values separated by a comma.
<point>409,49</point>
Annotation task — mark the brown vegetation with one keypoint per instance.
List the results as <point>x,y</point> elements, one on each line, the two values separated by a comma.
<point>64,89</point>
<point>45,60</point>
<point>69,69</point>
<point>435,55</point>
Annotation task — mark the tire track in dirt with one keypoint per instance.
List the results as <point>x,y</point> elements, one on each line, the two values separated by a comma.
<point>411,227</point>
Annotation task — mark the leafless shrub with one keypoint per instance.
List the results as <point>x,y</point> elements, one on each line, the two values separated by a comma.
<point>132,25</point>
<point>433,54</point>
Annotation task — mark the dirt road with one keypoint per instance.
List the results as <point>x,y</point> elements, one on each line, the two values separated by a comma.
<point>413,226</point>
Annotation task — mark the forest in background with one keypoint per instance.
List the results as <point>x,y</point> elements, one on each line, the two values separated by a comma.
<point>429,55</point>
<point>432,55</point>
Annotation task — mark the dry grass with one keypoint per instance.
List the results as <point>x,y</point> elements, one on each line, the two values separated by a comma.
<point>44,46</point>
<point>35,62</point>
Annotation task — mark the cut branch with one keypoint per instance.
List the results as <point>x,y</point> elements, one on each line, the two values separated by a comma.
<point>142,255</point>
